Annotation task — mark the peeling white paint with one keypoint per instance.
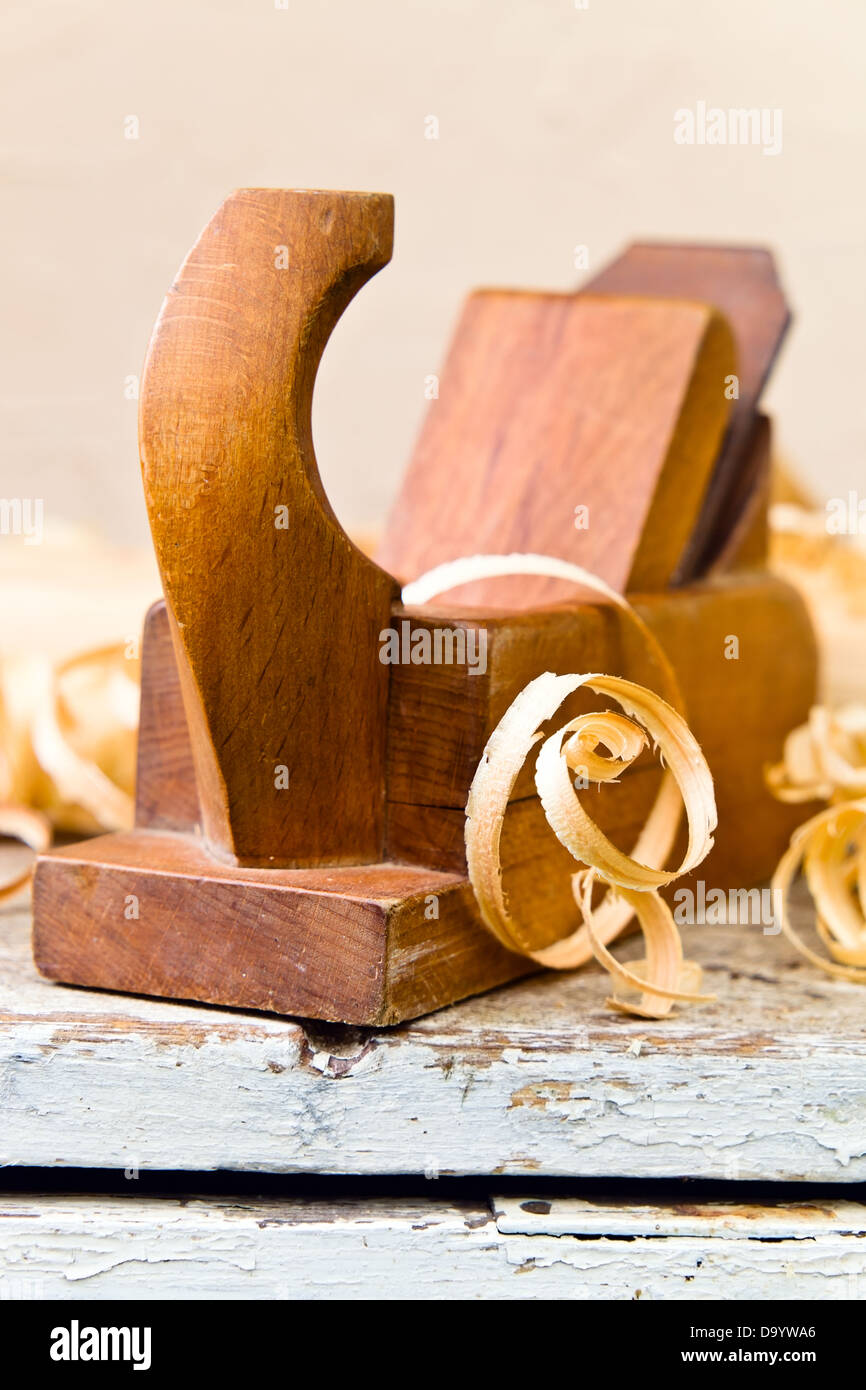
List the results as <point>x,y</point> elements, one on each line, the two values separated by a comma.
<point>537,1078</point>
<point>86,1248</point>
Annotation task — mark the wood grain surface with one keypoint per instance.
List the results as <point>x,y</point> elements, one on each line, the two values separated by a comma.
<point>550,402</point>
<point>743,283</point>
<point>166,790</point>
<point>153,913</point>
<point>744,542</point>
<point>275,612</point>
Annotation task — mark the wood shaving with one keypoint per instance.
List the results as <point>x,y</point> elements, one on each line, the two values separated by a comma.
<point>825,759</point>
<point>68,738</point>
<point>67,746</point>
<point>33,829</point>
<point>631,882</point>
<point>830,573</point>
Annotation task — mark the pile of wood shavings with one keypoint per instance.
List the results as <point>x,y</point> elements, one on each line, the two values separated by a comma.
<point>631,884</point>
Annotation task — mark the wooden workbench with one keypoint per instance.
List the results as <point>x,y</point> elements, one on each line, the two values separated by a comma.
<point>532,1082</point>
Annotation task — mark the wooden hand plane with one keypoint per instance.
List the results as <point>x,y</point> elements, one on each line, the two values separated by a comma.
<point>298,843</point>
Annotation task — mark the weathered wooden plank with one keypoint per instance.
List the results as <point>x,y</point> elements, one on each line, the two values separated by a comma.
<point>573,1216</point>
<point>129,1248</point>
<point>534,1078</point>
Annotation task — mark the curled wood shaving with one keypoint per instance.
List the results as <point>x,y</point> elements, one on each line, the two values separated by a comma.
<point>631,882</point>
<point>68,738</point>
<point>830,573</point>
<point>825,759</point>
<point>31,827</point>
<point>67,747</point>
<point>672,978</point>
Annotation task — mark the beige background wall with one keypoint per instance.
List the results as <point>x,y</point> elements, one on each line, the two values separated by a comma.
<point>556,128</point>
